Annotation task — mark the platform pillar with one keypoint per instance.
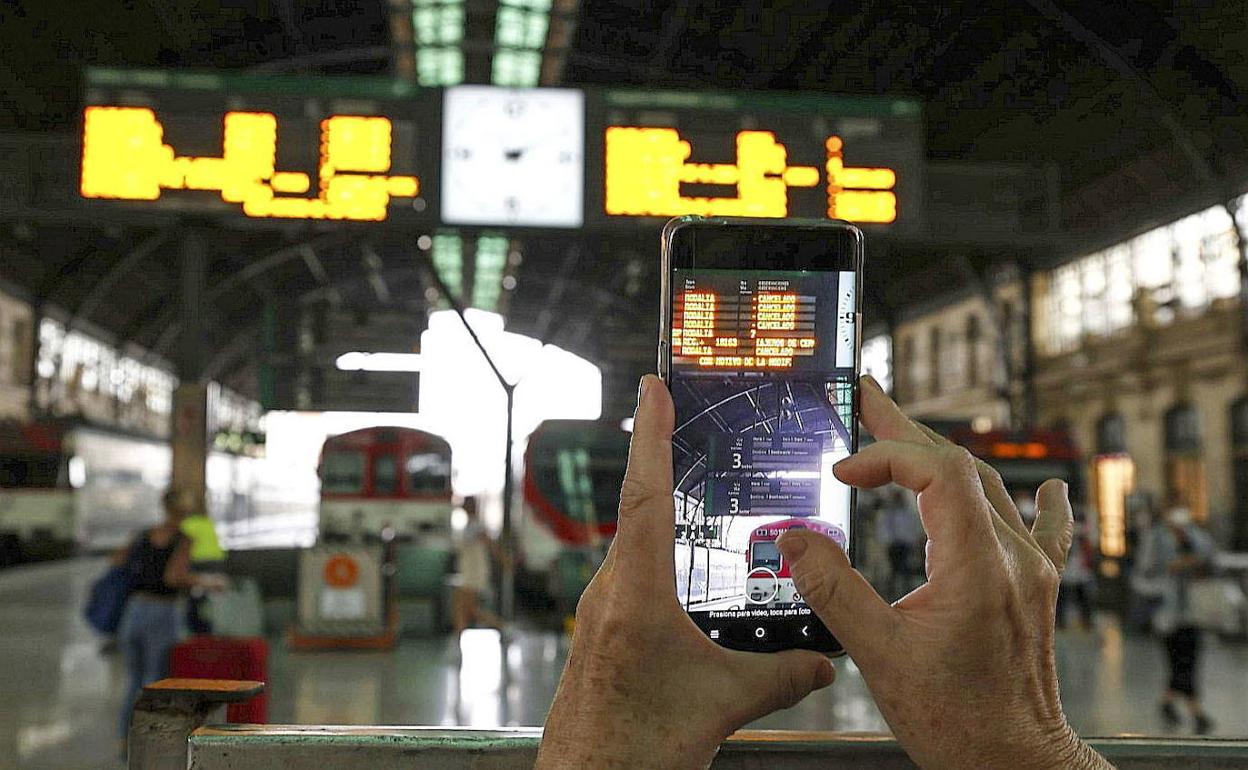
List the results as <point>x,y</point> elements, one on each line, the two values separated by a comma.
<point>189,428</point>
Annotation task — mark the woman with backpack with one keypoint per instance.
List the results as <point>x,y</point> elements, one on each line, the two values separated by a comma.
<point>159,567</point>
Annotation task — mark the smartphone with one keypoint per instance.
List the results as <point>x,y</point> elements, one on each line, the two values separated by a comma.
<point>759,345</point>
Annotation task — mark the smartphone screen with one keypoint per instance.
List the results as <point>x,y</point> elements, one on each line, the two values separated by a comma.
<point>762,366</point>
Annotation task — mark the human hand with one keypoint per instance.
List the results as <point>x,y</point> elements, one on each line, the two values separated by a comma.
<point>643,687</point>
<point>962,668</point>
<point>212,582</point>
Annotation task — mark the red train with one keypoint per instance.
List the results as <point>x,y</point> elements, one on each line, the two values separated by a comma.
<point>768,580</point>
<point>385,477</point>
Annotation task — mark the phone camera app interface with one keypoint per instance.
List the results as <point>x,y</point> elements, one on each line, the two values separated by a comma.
<point>762,373</point>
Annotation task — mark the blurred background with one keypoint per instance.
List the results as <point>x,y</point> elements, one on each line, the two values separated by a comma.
<point>369,284</point>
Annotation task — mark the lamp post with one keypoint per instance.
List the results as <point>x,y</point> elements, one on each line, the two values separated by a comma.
<point>507,536</point>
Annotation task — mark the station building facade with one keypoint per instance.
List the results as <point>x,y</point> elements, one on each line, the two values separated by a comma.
<point>1137,350</point>
<point>957,361</point>
<point>1141,354</point>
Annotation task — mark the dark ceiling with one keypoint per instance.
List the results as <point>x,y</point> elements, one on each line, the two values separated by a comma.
<point>1139,107</point>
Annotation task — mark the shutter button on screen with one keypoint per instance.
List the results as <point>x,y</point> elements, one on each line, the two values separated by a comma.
<point>760,632</point>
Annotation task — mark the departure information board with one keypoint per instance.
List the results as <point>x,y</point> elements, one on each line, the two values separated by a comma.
<point>373,150</point>
<point>667,154</point>
<point>762,320</point>
<point>264,148</point>
<point>731,496</point>
<point>766,452</point>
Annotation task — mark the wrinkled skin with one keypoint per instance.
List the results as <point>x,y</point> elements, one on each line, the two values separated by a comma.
<point>962,668</point>
<point>643,687</point>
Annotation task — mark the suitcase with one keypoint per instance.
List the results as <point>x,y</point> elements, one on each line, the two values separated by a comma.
<point>227,657</point>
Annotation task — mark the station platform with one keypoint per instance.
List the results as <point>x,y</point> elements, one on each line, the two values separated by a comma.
<point>63,692</point>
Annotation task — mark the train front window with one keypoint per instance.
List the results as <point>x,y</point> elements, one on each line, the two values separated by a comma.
<point>428,473</point>
<point>765,554</point>
<point>342,473</point>
<point>30,471</point>
<point>385,475</point>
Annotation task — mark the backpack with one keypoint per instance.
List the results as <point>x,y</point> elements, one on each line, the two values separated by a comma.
<point>107,600</point>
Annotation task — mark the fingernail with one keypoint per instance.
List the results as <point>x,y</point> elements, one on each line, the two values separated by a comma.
<point>641,388</point>
<point>792,545</point>
<point>871,382</point>
<point>825,674</point>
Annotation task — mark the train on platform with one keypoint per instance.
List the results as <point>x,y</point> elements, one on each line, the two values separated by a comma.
<point>68,486</point>
<point>385,482</point>
<point>573,470</point>
<point>768,581</point>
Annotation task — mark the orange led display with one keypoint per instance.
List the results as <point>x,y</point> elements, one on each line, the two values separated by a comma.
<point>858,194</point>
<point>766,332</point>
<point>124,157</point>
<point>645,168</point>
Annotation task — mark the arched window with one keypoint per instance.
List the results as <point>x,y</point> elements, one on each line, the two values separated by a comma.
<point>1185,467</point>
<point>972,350</point>
<point>1239,471</point>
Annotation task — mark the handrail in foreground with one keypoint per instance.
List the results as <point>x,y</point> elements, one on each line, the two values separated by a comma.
<point>186,740</point>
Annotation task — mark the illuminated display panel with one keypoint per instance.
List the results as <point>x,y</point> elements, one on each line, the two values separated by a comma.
<point>762,379</point>
<point>264,147</point>
<point>773,321</point>
<point>287,149</point>
<point>760,155</point>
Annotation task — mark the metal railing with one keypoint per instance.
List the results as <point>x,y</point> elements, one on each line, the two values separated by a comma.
<point>170,732</point>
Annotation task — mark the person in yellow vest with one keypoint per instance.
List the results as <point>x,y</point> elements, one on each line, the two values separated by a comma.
<point>206,554</point>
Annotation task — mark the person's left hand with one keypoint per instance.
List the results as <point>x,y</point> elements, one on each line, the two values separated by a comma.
<point>643,687</point>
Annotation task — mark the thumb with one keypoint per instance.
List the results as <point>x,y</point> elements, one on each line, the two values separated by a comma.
<point>1054,528</point>
<point>765,682</point>
<point>838,593</point>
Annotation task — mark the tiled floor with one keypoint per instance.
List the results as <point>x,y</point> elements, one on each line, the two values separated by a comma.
<point>59,696</point>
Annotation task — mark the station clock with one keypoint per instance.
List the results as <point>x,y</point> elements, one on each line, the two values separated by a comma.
<point>513,156</point>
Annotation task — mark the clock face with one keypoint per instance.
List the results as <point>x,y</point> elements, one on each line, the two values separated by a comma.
<point>513,156</point>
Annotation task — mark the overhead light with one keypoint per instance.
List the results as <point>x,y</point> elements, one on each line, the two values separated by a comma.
<point>378,362</point>
<point>439,30</point>
<point>488,273</point>
<point>448,261</point>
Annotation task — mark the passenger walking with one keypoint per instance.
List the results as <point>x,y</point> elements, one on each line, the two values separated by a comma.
<point>1182,554</point>
<point>475,551</point>
<point>158,561</point>
<point>206,555</point>
<point>1078,578</point>
<point>1148,571</point>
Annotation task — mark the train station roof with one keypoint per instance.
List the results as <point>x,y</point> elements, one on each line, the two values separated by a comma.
<point>1131,113</point>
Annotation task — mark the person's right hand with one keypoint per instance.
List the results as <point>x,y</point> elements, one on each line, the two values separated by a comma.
<point>963,667</point>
